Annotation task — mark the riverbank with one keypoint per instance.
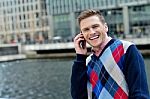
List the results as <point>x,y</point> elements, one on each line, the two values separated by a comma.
<point>52,55</point>
<point>12,57</point>
<point>34,55</point>
<point>145,53</point>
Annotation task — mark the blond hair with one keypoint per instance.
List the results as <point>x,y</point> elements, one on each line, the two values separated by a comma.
<point>88,13</point>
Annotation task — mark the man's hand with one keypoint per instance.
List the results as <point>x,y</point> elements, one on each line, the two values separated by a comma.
<point>77,43</point>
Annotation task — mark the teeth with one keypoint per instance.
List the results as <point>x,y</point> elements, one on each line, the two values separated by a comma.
<point>95,37</point>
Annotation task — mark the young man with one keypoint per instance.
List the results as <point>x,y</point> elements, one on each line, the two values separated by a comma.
<point>115,68</point>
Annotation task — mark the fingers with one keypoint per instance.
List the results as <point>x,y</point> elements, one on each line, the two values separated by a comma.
<point>80,48</point>
<point>79,37</point>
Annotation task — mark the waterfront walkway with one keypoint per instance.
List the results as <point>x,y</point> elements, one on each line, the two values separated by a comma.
<point>57,49</point>
<point>70,45</point>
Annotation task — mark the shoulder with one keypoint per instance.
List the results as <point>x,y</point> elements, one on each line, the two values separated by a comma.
<point>126,44</point>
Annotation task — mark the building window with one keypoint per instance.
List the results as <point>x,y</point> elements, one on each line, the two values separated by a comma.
<point>23,8</point>
<point>36,6</point>
<point>114,19</point>
<point>27,7</point>
<point>31,7</point>
<point>25,26</point>
<point>24,16</point>
<point>20,17</point>
<point>37,15</point>
<point>19,9</point>
<point>62,26</point>
<point>37,24</point>
<point>139,17</point>
<point>18,1</point>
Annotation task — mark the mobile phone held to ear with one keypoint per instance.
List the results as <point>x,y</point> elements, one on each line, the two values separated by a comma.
<point>82,44</point>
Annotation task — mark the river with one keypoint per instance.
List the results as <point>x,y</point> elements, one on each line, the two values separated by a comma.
<point>39,78</point>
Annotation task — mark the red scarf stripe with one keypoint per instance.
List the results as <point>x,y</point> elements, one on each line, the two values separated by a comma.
<point>93,78</point>
<point>118,52</point>
<point>120,92</point>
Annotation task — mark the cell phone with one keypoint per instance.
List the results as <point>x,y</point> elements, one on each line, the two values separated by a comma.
<point>83,44</point>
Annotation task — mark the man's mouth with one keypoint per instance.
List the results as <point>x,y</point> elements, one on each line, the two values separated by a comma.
<point>94,37</point>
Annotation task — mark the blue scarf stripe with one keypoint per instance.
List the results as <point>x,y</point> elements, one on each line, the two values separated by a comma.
<point>90,66</point>
<point>120,63</point>
<point>89,71</point>
<point>99,63</point>
<point>105,94</point>
<point>96,66</point>
<point>91,63</point>
<point>103,76</point>
<point>115,45</point>
<point>97,69</point>
<point>98,88</point>
<point>111,86</point>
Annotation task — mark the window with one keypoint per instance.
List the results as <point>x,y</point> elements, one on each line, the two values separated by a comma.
<point>19,9</point>
<point>23,8</point>
<point>18,1</point>
<point>24,16</point>
<point>25,25</point>
<point>20,17</point>
<point>27,7</point>
<point>37,15</point>
<point>36,6</point>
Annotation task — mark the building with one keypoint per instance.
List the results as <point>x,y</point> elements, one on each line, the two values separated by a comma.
<point>40,21</point>
<point>125,18</point>
<point>23,21</point>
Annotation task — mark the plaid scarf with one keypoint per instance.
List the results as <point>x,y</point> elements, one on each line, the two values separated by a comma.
<point>105,75</point>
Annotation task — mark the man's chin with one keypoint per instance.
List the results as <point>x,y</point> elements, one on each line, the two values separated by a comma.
<point>94,45</point>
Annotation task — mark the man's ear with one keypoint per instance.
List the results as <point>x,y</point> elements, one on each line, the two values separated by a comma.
<point>106,27</point>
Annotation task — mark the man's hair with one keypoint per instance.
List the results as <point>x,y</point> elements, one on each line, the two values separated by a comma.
<point>89,13</point>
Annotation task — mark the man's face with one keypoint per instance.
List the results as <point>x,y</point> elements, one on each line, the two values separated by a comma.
<point>94,31</point>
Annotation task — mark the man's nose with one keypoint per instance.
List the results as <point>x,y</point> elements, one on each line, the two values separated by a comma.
<point>92,30</point>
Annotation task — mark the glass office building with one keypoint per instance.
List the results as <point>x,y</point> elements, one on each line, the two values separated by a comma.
<point>38,21</point>
<point>125,18</point>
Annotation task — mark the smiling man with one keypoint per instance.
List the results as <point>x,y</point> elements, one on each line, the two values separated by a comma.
<point>114,70</point>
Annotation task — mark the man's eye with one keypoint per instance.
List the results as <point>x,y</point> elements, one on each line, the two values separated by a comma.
<point>95,26</point>
<point>85,30</point>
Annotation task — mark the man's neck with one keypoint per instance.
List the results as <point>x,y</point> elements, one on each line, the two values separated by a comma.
<point>98,50</point>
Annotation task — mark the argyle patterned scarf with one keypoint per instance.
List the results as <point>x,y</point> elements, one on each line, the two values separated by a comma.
<point>105,75</point>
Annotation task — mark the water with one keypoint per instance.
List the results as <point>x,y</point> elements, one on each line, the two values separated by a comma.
<point>147,63</point>
<point>39,79</point>
<point>36,79</point>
